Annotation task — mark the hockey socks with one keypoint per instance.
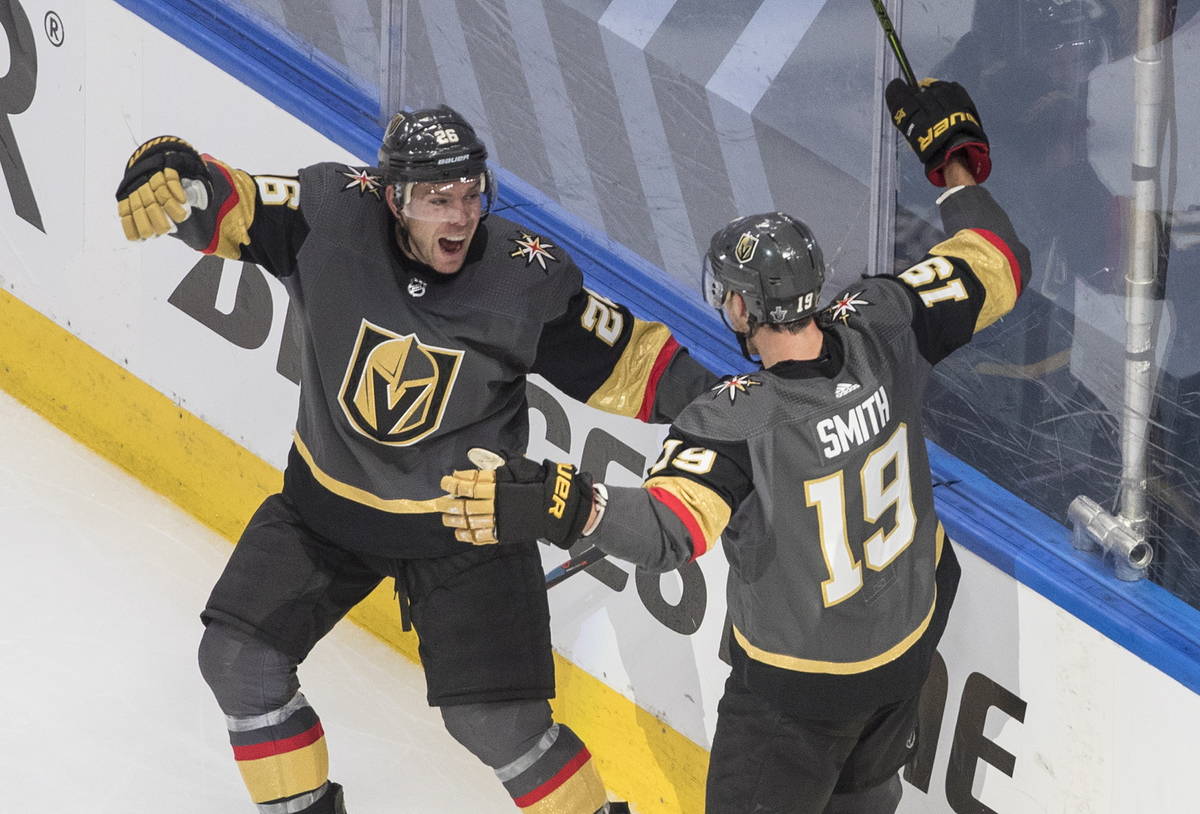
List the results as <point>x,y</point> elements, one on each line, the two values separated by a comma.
<point>283,758</point>
<point>556,776</point>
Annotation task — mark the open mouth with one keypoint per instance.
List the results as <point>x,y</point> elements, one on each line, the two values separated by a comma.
<point>450,246</point>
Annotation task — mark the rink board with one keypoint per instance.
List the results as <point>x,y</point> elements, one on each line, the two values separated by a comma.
<point>181,371</point>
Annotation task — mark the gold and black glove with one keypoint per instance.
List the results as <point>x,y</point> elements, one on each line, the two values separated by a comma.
<point>164,179</point>
<point>939,120</point>
<point>520,501</point>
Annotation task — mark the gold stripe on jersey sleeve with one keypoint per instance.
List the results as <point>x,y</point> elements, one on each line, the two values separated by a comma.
<point>707,507</point>
<point>625,389</point>
<point>233,224</point>
<point>836,667</point>
<point>992,268</point>
<point>383,504</point>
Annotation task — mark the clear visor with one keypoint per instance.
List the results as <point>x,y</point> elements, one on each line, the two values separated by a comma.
<point>711,285</point>
<point>457,201</point>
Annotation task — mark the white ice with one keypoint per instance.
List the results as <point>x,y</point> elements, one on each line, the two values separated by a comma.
<point>103,708</point>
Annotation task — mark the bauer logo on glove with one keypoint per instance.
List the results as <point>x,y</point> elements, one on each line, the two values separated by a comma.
<point>564,474</point>
<point>925,140</point>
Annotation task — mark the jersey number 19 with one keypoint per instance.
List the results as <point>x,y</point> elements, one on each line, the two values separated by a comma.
<point>880,549</point>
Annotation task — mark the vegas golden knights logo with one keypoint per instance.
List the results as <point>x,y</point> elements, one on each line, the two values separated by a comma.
<point>396,388</point>
<point>743,252</point>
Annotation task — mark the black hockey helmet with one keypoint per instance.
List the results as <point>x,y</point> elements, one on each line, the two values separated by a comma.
<point>433,145</point>
<point>772,260</point>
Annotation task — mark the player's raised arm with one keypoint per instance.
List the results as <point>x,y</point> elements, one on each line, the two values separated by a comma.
<point>974,276</point>
<point>170,188</point>
<point>599,353</point>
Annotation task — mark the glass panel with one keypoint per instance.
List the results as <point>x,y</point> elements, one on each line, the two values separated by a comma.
<point>1036,401</point>
<point>655,122</point>
<point>340,34</point>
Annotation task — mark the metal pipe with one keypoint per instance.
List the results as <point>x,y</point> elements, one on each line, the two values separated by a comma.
<point>1093,529</point>
<point>882,223</point>
<point>393,28</point>
<point>1141,277</point>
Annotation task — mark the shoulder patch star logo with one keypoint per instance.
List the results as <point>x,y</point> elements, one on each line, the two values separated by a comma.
<point>845,305</point>
<point>533,247</point>
<point>734,385</point>
<point>362,180</point>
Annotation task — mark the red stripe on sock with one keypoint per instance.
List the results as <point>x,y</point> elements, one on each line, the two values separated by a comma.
<point>564,774</point>
<point>255,751</point>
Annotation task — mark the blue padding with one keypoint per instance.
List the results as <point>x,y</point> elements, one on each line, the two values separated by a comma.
<point>977,513</point>
<point>1034,549</point>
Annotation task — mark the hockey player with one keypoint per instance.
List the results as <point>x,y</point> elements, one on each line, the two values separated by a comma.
<point>421,317</point>
<point>813,470</point>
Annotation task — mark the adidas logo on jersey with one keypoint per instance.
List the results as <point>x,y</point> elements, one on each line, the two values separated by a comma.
<point>844,389</point>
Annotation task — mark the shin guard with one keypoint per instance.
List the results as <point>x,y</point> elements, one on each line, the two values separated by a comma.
<point>556,776</point>
<point>282,757</point>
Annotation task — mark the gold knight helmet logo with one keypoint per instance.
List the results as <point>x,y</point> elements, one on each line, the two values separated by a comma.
<point>743,252</point>
<point>396,388</point>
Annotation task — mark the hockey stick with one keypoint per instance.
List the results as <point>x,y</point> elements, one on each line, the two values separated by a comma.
<point>574,565</point>
<point>893,39</point>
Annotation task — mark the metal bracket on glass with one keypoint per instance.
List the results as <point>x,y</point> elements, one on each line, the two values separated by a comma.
<point>1094,529</point>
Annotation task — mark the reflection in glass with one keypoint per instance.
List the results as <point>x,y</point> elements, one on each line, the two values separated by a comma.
<point>1036,402</point>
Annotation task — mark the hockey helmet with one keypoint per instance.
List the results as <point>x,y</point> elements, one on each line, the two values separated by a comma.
<point>434,146</point>
<point>772,260</point>
<point>1066,37</point>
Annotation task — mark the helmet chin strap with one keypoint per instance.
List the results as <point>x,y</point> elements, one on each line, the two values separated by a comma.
<point>744,346</point>
<point>743,339</point>
<point>401,233</point>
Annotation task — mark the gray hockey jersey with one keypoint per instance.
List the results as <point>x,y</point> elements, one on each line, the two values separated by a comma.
<point>815,475</point>
<point>404,369</point>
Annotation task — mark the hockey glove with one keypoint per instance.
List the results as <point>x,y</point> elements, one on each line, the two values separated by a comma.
<point>940,120</point>
<point>164,179</point>
<point>519,502</point>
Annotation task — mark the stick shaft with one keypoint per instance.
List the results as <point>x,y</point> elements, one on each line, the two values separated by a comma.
<point>573,566</point>
<point>893,39</point>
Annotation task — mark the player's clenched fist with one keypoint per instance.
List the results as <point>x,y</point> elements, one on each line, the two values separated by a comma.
<point>164,179</point>
<point>519,502</point>
<point>939,120</point>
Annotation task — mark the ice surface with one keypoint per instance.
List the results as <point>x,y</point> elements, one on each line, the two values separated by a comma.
<point>104,708</point>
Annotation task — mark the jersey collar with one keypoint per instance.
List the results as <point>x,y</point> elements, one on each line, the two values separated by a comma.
<point>827,365</point>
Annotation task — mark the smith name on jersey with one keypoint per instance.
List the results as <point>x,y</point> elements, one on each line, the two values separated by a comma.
<point>815,476</point>
<point>405,369</point>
